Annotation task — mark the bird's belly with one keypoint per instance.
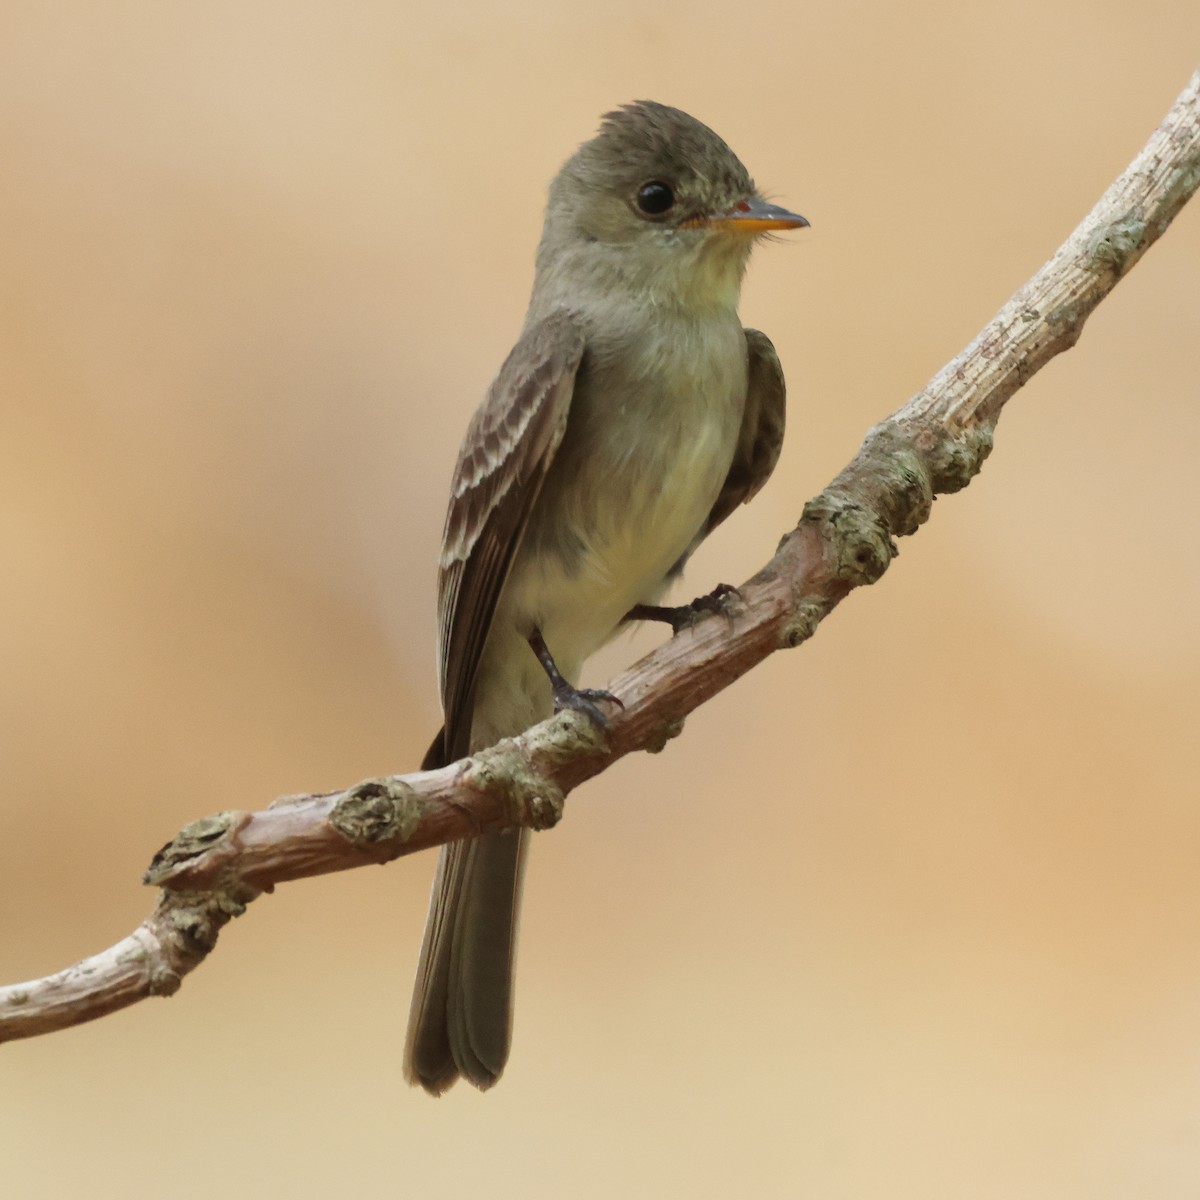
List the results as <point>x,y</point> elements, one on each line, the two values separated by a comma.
<point>612,536</point>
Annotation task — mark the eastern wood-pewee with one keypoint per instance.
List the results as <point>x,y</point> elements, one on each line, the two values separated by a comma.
<point>632,416</point>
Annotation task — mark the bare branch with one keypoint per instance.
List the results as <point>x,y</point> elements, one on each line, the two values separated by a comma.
<point>933,445</point>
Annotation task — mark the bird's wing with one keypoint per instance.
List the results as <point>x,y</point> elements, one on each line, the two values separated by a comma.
<point>505,455</point>
<point>761,436</point>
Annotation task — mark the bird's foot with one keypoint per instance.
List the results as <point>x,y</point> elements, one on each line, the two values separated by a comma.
<point>724,599</point>
<point>566,695</point>
<point>584,700</point>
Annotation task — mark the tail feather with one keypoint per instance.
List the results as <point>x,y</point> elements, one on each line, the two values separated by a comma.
<point>460,1023</point>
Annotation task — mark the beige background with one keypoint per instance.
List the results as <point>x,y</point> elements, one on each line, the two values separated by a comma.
<point>911,913</point>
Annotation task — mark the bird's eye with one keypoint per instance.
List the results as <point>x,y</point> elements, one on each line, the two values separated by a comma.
<point>655,198</point>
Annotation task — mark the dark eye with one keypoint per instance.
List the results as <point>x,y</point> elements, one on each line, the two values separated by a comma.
<point>655,198</point>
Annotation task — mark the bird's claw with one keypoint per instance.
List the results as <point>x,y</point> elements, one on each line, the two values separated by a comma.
<point>584,700</point>
<point>724,599</point>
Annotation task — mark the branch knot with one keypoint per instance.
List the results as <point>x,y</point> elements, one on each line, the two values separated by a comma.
<point>506,772</point>
<point>377,810</point>
<point>858,534</point>
<point>1113,247</point>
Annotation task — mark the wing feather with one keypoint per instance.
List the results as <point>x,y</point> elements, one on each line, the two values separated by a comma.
<point>509,446</point>
<point>761,436</point>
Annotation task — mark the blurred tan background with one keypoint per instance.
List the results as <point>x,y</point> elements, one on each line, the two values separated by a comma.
<point>258,264</point>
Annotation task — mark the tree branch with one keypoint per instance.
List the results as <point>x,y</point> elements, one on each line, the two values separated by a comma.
<point>933,445</point>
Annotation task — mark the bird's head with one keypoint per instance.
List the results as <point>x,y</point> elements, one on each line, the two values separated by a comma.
<point>657,200</point>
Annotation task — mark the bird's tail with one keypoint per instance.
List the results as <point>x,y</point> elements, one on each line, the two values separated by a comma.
<point>461,1017</point>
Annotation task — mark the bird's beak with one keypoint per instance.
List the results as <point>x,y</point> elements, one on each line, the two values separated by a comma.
<point>754,216</point>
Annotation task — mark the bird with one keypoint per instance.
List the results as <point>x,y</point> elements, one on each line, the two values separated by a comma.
<point>633,416</point>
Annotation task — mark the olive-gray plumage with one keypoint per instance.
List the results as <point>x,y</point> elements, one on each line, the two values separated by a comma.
<point>632,416</point>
